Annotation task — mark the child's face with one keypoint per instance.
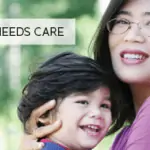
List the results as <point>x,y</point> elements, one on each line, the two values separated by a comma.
<point>86,119</point>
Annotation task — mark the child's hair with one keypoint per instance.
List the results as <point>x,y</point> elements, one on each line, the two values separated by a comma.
<point>58,77</point>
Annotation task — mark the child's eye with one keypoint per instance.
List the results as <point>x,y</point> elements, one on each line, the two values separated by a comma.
<point>106,106</point>
<point>83,102</point>
<point>147,23</point>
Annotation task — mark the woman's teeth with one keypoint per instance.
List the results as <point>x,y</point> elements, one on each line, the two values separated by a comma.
<point>134,56</point>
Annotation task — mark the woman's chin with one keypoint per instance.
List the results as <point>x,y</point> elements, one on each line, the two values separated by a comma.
<point>134,79</point>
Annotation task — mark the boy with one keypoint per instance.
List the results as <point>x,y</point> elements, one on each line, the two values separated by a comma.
<point>83,96</point>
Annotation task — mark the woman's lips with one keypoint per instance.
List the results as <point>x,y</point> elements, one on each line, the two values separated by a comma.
<point>133,57</point>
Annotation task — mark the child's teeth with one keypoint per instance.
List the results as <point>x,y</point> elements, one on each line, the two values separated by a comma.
<point>93,127</point>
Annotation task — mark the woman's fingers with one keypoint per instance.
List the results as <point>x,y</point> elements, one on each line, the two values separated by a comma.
<point>43,109</point>
<point>45,130</point>
<point>29,143</point>
<point>31,124</point>
<point>37,146</point>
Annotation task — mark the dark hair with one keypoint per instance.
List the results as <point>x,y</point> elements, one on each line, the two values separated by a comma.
<point>60,76</point>
<point>102,56</point>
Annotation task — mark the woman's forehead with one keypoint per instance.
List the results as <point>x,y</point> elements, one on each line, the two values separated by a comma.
<point>134,4</point>
<point>131,6</point>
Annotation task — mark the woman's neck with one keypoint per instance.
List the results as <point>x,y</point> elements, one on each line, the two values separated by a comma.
<point>140,94</point>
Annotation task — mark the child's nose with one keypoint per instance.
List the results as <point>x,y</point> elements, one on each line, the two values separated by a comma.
<point>97,114</point>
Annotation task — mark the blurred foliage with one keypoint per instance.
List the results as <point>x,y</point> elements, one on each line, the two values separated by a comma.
<point>4,81</point>
<point>58,8</point>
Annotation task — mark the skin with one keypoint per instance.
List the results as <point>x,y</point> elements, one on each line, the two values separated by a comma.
<point>77,112</point>
<point>26,143</point>
<point>137,76</point>
<point>83,114</point>
<point>135,38</point>
<point>34,132</point>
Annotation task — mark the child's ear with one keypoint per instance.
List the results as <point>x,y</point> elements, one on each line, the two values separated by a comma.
<point>44,120</point>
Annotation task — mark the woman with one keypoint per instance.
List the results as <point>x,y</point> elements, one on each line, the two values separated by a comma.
<point>122,47</point>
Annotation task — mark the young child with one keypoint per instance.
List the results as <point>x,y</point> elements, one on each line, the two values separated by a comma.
<point>83,101</point>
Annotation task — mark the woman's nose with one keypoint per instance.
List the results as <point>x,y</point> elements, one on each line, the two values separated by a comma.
<point>134,34</point>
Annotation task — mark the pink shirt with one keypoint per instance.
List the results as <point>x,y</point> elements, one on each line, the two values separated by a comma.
<point>136,136</point>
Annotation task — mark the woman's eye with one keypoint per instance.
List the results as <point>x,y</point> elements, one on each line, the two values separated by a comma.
<point>83,102</point>
<point>121,21</point>
<point>107,106</point>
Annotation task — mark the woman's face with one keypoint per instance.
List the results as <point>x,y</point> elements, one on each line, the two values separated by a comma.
<point>130,50</point>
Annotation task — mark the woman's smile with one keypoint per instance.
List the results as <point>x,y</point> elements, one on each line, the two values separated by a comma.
<point>133,56</point>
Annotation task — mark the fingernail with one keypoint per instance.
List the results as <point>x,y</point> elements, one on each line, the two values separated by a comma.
<point>41,145</point>
<point>58,122</point>
<point>52,102</point>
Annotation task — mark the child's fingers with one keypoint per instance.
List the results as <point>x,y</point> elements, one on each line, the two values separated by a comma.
<point>45,130</point>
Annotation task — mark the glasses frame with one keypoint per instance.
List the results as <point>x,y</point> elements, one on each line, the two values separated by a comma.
<point>108,25</point>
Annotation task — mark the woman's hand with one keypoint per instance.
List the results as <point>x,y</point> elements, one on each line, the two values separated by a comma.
<point>29,140</point>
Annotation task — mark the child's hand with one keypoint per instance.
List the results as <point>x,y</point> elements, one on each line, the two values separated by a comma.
<point>29,141</point>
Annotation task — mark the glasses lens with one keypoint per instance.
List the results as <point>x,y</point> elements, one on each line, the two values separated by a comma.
<point>118,25</point>
<point>145,29</point>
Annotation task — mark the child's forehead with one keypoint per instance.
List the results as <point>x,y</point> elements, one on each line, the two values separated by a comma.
<point>102,90</point>
<point>105,90</point>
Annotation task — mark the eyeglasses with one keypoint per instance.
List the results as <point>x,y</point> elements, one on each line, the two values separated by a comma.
<point>120,25</point>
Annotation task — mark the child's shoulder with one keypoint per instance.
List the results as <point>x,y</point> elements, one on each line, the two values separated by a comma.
<point>48,145</point>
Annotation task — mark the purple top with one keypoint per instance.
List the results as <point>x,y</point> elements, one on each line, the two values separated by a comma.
<point>136,136</point>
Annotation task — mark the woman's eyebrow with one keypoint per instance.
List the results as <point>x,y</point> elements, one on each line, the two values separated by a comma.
<point>124,12</point>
